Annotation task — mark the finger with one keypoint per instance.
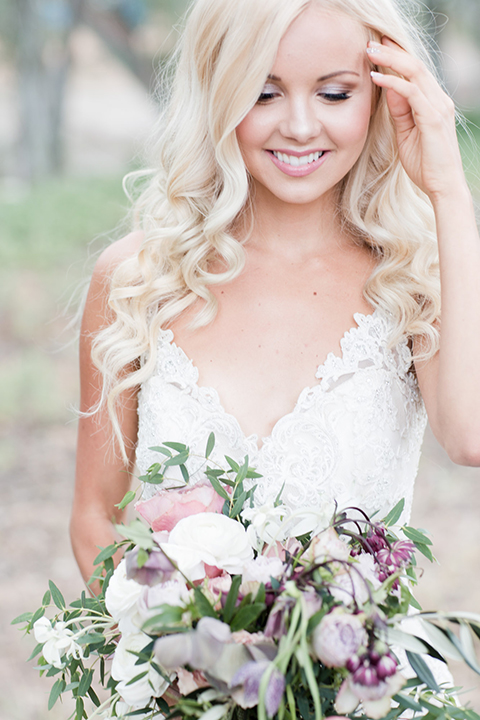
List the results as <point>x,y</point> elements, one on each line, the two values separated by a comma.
<point>404,97</point>
<point>391,56</point>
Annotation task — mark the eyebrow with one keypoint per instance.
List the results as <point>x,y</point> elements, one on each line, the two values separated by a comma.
<point>324,77</point>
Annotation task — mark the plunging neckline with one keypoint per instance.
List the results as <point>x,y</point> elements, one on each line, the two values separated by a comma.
<point>332,359</point>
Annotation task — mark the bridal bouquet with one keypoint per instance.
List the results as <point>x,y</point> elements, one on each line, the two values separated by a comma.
<point>222,609</point>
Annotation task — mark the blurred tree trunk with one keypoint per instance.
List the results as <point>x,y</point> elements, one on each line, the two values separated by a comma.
<point>43,58</point>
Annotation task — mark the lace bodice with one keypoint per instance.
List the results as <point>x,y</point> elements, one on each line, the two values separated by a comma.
<point>353,437</point>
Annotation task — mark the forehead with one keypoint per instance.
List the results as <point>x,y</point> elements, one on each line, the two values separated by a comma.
<point>323,37</point>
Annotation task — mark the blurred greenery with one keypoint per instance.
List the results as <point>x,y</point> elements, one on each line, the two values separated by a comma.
<point>51,234</point>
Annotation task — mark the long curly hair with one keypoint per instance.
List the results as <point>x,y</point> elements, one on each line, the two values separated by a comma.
<point>199,187</point>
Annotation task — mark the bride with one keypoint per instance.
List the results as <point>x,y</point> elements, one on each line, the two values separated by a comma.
<point>281,286</point>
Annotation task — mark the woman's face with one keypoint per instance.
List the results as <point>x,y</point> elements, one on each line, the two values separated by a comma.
<point>311,121</point>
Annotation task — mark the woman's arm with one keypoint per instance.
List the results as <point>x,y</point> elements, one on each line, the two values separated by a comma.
<point>425,122</point>
<point>102,478</point>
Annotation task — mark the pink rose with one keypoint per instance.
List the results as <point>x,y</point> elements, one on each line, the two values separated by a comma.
<point>167,507</point>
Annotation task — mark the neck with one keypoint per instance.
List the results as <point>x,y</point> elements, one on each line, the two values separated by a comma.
<point>296,231</point>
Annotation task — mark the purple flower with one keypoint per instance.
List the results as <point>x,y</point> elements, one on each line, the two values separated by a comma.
<point>276,623</point>
<point>338,636</point>
<point>157,569</point>
<point>395,557</point>
<point>246,684</point>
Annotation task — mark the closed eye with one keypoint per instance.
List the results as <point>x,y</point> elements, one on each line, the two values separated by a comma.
<point>266,96</point>
<point>335,97</point>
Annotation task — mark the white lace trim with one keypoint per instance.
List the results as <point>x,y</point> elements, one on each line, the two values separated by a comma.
<point>353,437</point>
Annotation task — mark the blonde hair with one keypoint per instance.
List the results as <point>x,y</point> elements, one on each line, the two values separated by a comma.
<point>200,187</point>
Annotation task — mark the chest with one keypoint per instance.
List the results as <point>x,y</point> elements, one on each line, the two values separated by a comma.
<point>273,328</point>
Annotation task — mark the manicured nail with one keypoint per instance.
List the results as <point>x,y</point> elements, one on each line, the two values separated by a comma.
<point>375,74</point>
<point>374,50</point>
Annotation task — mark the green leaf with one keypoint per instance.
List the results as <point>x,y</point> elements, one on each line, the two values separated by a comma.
<point>242,471</point>
<point>79,708</point>
<point>210,444</point>
<point>179,447</point>
<point>238,505</point>
<point>425,550</point>
<point>233,464</point>
<point>85,682</point>
<point>57,689</point>
<point>179,459</point>
<point>423,671</point>
<point>394,515</point>
<point>204,606</point>
<point>35,652</point>
<point>91,638</point>
<point>24,617</point>
<point>46,598</point>
<point>416,536</point>
<point>127,499</point>
<point>104,554</point>
<point>57,596</point>
<point>439,639</point>
<point>138,533</point>
<point>185,473</point>
<point>246,616</point>
<point>93,697</point>
<point>218,488</point>
<point>231,598</point>
<point>161,449</point>
<point>405,701</point>
<point>138,677</point>
<point>142,557</point>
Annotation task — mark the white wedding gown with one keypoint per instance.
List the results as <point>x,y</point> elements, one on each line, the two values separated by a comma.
<point>354,436</point>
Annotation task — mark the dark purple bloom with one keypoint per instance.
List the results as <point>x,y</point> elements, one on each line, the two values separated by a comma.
<point>157,569</point>
<point>398,555</point>
<point>386,666</point>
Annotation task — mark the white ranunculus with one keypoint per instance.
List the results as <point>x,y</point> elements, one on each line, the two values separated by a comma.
<point>124,669</point>
<point>208,539</point>
<point>58,641</point>
<point>121,600</point>
<point>270,524</point>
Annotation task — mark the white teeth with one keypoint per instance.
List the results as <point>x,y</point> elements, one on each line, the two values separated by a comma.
<point>296,161</point>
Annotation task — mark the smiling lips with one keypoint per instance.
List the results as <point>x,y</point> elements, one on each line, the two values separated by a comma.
<point>298,164</point>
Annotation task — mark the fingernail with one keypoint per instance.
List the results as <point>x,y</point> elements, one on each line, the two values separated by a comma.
<point>374,50</point>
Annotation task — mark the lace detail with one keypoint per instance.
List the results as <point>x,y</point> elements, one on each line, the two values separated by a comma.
<point>354,437</point>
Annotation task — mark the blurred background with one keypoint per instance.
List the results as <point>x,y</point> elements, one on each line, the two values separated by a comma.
<point>76,105</point>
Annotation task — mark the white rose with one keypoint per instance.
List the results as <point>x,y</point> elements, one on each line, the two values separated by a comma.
<point>139,693</point>
<point>121,600</point>
<point>208,539</point>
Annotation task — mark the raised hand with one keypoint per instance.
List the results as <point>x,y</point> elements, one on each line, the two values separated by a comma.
<point>424,117</point>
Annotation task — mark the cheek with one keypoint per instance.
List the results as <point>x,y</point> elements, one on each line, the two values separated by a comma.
<point>253,130</point>
<point>352,128</point>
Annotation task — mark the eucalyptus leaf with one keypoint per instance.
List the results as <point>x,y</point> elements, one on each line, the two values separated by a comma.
<point>210,444</point>
<point>179,447</point>
<point>105,553</point>
<point>416,536</point>
<point>85,682</point>
<point>405,640</point>
<point>179,459</point>
<point>423,671</point>
<point>24,617</point>
<point>395,513</point>
<point>57,688</point>
<point>231,598</point>
<point>57,596</point>
<point>440,641</point>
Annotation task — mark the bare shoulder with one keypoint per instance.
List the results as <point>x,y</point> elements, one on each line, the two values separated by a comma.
<point>96,312</point>
<point>117,252</point>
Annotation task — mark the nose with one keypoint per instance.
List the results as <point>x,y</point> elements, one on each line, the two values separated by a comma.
<point>301,121</point>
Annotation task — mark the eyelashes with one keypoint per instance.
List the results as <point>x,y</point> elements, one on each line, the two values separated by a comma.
<point>332,97</point>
